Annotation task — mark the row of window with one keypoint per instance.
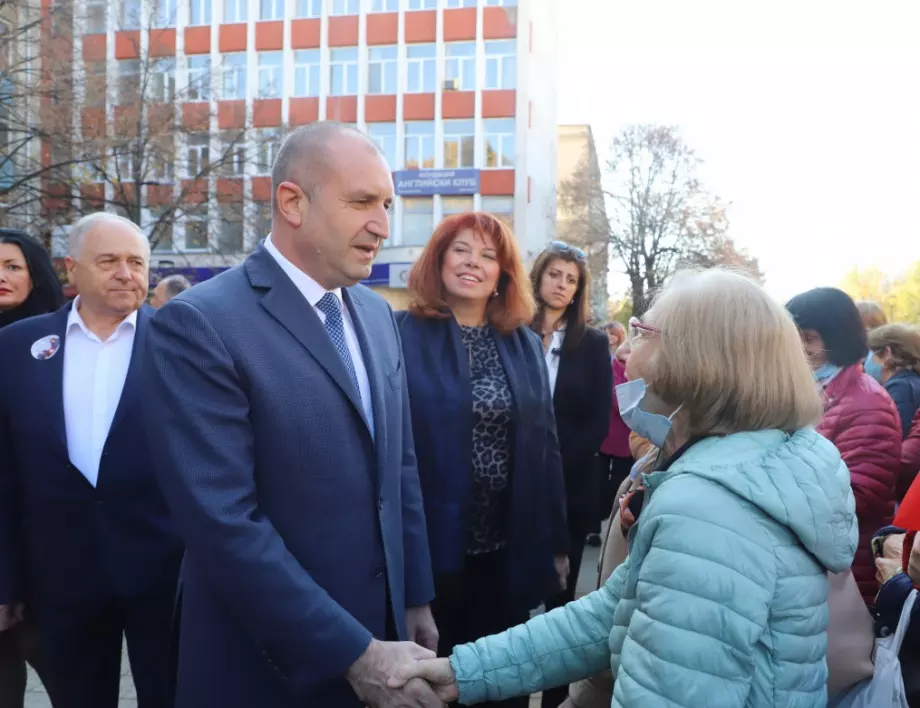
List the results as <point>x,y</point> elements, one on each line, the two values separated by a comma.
<point>342,70</point>
<point>163,12</point>
<point>192,232</point>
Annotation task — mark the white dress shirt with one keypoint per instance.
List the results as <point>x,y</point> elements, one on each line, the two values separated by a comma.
<point>552,358</point>
<point>94,377</point>
<point>313,292</point>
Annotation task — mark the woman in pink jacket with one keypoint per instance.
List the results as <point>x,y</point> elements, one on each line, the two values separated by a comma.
<point>859,416</point>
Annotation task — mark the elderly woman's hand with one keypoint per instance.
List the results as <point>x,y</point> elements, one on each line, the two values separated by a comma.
<point>893,548</point>
<point>886,569</point>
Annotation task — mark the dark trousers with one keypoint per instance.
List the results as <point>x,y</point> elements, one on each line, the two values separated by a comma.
<point>611,473</point>
<point>17,646</point>
<point>82,648</point>
<point>579,527</point>
<point>473,604</point>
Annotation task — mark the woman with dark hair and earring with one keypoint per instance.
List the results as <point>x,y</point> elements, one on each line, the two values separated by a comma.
<point>485,439</point>
<point>859,416</point>
<point>581,379</point>
<point>28,287</point>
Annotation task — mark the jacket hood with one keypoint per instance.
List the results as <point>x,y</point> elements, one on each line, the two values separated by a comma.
<point>799,480</point>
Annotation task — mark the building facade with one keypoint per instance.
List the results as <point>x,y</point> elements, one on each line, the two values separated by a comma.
<point>458,94</point>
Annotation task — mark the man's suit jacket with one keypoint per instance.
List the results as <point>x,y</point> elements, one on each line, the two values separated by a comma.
<point>303,530</point>
<point>61,539</point>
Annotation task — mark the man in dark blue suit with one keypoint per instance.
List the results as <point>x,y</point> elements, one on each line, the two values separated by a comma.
<point>279,419</point>
<point>85,536</point>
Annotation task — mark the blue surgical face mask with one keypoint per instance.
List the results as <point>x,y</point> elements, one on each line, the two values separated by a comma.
<point>826,372</point>
<point>652,426</point>
<point>873,368</point>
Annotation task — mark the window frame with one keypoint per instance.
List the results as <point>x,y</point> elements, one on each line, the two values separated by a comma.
<point>238,210</point>
<point>349,68</point>
<point>500,58</point>
<point>92,20</point>
<point>153,218</point>
<point>423,65</point>
<point>196,216</point>
<point>408,212</point>
<point>308,9</point>
<point>91,76</point>
<point>126,22</point>
<point>344,8</point>
<point>240,13</point>
<point>506,216</point>
<point>502,136</point>
<point>275,72</point>
<point>236,70</point>
<point>233,165</point>
<point>378,6</point>
<point>421,140</point>
<point>267,144</point>
<point>199,91</point>
<point>202,152</point>
<point>461,63</point>
<point>388,67</point>
<point>276,10</point>
<point>204,8</point>
<point>386,141</point>
<point>121,77</point>
<point>169,83</point>
<point>421,5</point>
<point>165,13</point>
<point>304,73</point>
<point>466,143</point>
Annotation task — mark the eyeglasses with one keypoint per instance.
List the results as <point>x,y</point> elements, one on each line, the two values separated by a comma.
<point>638,330</point>
<point>563,247</point>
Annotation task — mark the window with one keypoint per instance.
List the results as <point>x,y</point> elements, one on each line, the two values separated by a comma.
<point>381,70</point>
<point>460,69</point>
<point>501,64</point>
<point>162,164</point>
<point>161,230</point>
<point>129,14</point>
<point>343,7</point>
<point>343,71</point>
<point>236,11</point>
<point>271,9</point>
<point>461,3</point>
<point>96,16</point>
<point>270,72</point>
<point>419,145</point>
<point>95,82</point>
<point>498,142</point>
<point>309,8</point>
<point>268,142</point>
<point>459,143</point>
<point>423,4</point>
<point>502,207</point>
<point>124,162</point>
<point>230,238</point>
<point>164,13</point>
<point>163,81</point>
<point>306,72</point>
<point>233,154</point>
<point>234,76</point>
<point>421,58</point>
<point>199,12</point>
<point>456,205</point>
<point>129,81</point>
<point>501,3</point>
<point>199,151</point>
<point>199,78</point>
<point>384,5</point>
<point>263,219</point>
<point>196,229</point>
<point>417,220</point>
<point>384,137</point>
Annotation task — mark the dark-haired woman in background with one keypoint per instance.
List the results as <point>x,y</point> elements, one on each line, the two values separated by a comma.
<point>859,416</point>
<point>28,287</point>
<point>581,379</point>
<point>485,440</point>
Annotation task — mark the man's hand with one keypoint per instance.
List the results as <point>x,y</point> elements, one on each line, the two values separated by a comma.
<point>369,675</point>
<point>562,570</point>
<point>421,627</point>
<point>893,544</point>
<point>913,562</point>
<point>886,569</point>
<point>10,616</point>
<point>438,673</point>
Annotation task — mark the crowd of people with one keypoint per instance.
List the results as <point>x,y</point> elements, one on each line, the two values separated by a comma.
<point>278,492</point>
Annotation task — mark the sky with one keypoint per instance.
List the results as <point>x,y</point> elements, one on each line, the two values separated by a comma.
<point>806,113</point>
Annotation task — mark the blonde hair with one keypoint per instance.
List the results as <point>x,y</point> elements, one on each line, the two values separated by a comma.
<point>872,314</point>
<point>730,356</point>
<point>903,341</point>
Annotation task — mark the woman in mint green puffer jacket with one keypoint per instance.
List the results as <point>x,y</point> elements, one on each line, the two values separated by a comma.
<point>723,599</point>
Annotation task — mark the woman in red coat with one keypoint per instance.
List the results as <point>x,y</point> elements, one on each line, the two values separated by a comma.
<point>859,416</point>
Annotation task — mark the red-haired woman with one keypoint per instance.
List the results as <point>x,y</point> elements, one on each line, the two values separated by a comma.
<point>485,436</point>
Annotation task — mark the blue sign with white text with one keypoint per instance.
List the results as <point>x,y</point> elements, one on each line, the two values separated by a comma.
<point>425,183</point>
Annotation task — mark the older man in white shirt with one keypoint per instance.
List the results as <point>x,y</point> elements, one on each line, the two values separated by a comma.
<point>86,542</point>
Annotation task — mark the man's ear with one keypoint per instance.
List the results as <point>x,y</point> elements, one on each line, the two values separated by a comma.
<point>292,203</point>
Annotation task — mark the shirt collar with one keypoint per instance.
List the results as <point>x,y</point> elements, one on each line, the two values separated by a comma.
<point>74,319</point>
<point>308,287</point>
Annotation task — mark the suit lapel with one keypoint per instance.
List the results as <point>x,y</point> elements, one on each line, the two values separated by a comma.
<point>132,379</point>
<point>51,379</point>
<point>365,328</point>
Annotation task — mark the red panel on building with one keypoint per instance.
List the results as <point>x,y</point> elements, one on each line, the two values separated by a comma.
<point>499,22</point>
<point>229,190</point>
<point>382,28</point>
<point>460,24</point>
<point>94,47</point>
<point>269,36</point>
<point>496,182</point>
<point>160,118</point>
<point>342,108</point>
<point>232,38</point>
<point>418,106</point>
<point>343,31</point>
<point>458,104</point>
<point>421,26</point>
<point>94,123</point>
<point>196,191</point>
<point>380,109</point>
<point>196,116</point>
<point>498,104</point>
<point>197,40</point>
<point>162,42</point>
<point>159,194</point>
<point>266,113</point>
<point>127,119</point>
<point>231,114</point>
<point>261,189</point>
<point>305,34</point>
<point>304,110</point>
<point>127,45</point>
<point>93,195</point>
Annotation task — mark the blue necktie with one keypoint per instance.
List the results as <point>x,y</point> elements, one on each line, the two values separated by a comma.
<point>329,305</point>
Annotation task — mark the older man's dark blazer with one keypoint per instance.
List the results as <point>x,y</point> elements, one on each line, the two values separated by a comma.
<point>304,530</point>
